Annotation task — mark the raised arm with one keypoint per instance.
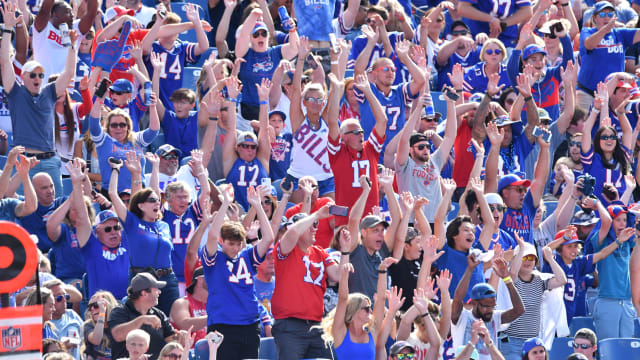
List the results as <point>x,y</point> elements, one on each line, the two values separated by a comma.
<point>243,41</point>
<point>541,171</point>
<point>400,234</point>
<point>501,270</point>
<point>417,75</point>
<point>5,176</point>
<point>194,16</point>
<point>223,28</point>
<point>402,152</point>
<point>363,59</point>
<point>54,228</point>
<point>10,21</point>
<point>394,296</point>
<point>594,39</point>
<point>559,277</point>
<point>339,329</point>
<point>118,205</point>
<point>30,203</point>
<point>152,35</point>
<point>357,210</point>
<point>191,256</point>
<point>43,15</point>
<point>444,282</point>
<point>154,180</point>
<point>255,199</point>
<point>290,238</point>
<point>421,222</point>
<point>229,153</point>
<point>296,116</point>
<point>461,289</point>
<point>264,142</point>
<point>69,71</point>
<point>440,218</point>
<point>333,106</point>
<point>218,220</point>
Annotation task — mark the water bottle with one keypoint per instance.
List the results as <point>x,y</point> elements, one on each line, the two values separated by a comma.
<point>148,90</point>
<point>284,18</point>
<point>64,32</point>
<point>430,112</point>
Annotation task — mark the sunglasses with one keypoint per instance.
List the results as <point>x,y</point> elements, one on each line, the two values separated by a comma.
<point>314,186</point>
<point>370,20</point>
<point>259,33</point>
<point>174,356</point>
<point>529,258</point>
<point>500,208</point>
<point>519,189</point>
<point>118,92</point>
<point>267,201</point>
<point>34,75</point>
<point>354,132</point>
<point>93,305</point>
<point>609,137</point>
<point>115,125</point>
<point>459,32</point>
<point>115,227</point>
<point>421,146</point>
<point>386,69</point>
<point>313,100</point>
<point>152,200</point>
<point>248,146</point>
<point>545,122</point>
<point>494,51</point>
<point>430,119</point>
<point>170,157</point>
<point>608,14</point>
<point>368,308</point>
<point>581,346</point>
<point>59,298</point>
<point>406,356</point>
<point>574,143</point>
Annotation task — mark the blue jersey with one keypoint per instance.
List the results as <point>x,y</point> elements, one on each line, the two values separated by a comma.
<point>264,292</point>
<point>69,262</point>
<point>257,66</point>
<point>472,58</point>
<point>149,243</point>
<point>592,163</point>
<point>135,108</point>
<point>500,9</point>
<point>581,266</point>
<point>456,262</point>
<point>102,260</point>
<point>182,229</point>
<point>280,156</point>
<point>394,106</point>
<point>232,298</point>
<point>315,18</point>
<point>512,158</point>
<point>181,133</point>
<point>520,221</point>
<point>244,174</point>
<point>606,58</point>
<point>174,61</point>
<point>83,67</point>
<point>36,222</point>
<point>503,238</point>
<point>476,80</point>
<point>360,42</point>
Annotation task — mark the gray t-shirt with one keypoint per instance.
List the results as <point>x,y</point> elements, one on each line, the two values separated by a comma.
<point>365,277</point>
<point>423,180</point>
<point>215,166</point>
<point>32,117</point>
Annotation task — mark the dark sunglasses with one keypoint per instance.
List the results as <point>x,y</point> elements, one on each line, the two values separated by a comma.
<point>248,146</point>
<point>545,122</point>
<point>609,137</point>
<point>93,305</point>
<point>118,92</point>
<point>368,308</point>
<point>459,32</point>
<point>519,189</point>
<point>170,157</point>
<point>500,208</point>
<point>574,143</point>
<point>34,75</point>
<point>59,298</point>
<point>421,146</point>
<point>430,119</point>
<point>607,14</point>
<point>115,227</point>
<point>259,33</point>
<point>267,201</point>
<point>406,356</point>
<point>114,125</point>
<point>581,346</point>
<point>370,20</point>
<point>492,51</point>
<point>354,132</point>
<point>386,69</point>
<point>152,200</point>
<point>550,36</point>
<point>529,258</point>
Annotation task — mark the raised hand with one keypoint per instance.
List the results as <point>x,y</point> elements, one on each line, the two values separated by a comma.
<point>13,154</point>
<point>395,299</point>
<point>386,177</point>
<point>421,300</point>
<point>364,183</point>
<point>23,166</point>
<point>630,181</point>
<point>477,185</point>
<point>156,61</point>
<point>252,233</point>
<point>418,56</point>
<point>444,280</point>
<point>500,267</point>
<point>133,162</point>
<point>303,47</point>
<point>406,201</point>
<point>346,243</point>
<point>429,291</point>
<point>233,87</point>
<point>456,76</point>
<point>523,85</point>
<point>372,35</point>
<point>152,158</point>
<point>74,168</point>
<point>496,136</point>
<point>362,83</point>
<point>84,83</point>
<point>626,234</point>
<point>448,185</point>
<point>306,186</point>
<point>386,263</point>
<point>479,147</point>
<point>213,102</point>
<point>492,85</point>
<point>9,10</point>
<point>376,211</point>
<point>420,202</point>
<point>430,249</point>
<point>193,14</point>
<point>108,52</point>
<point>230,3</point>
<point>227,195</point>
<point>569,74</point>
<point>263,89</point>
<point>253,197</point>
<point>136,50</point>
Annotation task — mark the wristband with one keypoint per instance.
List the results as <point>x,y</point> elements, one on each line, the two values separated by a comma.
<point>619,243</point>
<point>528,98</point>
<point>345,252</point>
<point>507,280</point>
<point>503,25</point>
<point>213,118</point>
<point>7,31</point>
<point>234,100</point>
<point>136,182</point>
<point>382,271</point>
<point>250,240</point>
<point>292,30</point>
<point>116,169</point>
<point>459,90</point>
<point>567,4</point>
<point>425,314</point>
<point>263,102</point>
<point>101,314</point>
<point>334,62</point>
<point>595,202</point>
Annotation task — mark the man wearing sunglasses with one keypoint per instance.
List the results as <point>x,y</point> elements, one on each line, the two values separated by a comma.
<point>459,49</point>
<point>66,321</point>
<point>402,350</point>
<point>585,342</point>
<point>522,197</point>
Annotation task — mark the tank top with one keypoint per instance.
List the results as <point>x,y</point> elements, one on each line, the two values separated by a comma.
<point>350,350</point>
<point>309,155</point>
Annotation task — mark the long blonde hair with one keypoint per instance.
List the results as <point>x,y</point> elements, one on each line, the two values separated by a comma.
<point>169,348</point>
<point>354,304</point>
<point>127,118</point>
<point>111,303</point>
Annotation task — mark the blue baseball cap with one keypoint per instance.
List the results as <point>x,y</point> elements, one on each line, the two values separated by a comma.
<point>601,5</point>
<point>259,26</point>
<point>530,344</point>
<point>122,85</point>
<point>482,291</point>
<point>532,49</point>
<point>278,112</point>
<point>512,180</point>
<point>616,210</point>
<point>104,216</point>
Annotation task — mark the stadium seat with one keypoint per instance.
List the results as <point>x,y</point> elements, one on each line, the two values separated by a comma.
<point>184,161</point>
<point>3,161</point>
<point>551,207</point>
<point>619,348</point>
<point>67,186</point>
<point>268,349</point>
<point>561,348</point>
<point>148,167</point>
<point>636,328</point>
<point>455,207</point>
<point>204,4</point>
<point>276,185</point>
<point>96,208</point>
<point>439,103</point>
<point>190,76</point>
<point>204,56</point>
<point>180,8</point>
<point>580,322</point>
<point>201,350</point>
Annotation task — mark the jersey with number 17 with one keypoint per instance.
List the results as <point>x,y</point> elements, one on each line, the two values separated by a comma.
<point>182,228</point>
<point>173,63</point>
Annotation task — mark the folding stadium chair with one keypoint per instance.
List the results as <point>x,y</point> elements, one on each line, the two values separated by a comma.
<point>190,76</point>
<point>619,348</point>
<point>268,349</point>
<point>580,322</point>
<point>561,348</point>
<point>201,350</point>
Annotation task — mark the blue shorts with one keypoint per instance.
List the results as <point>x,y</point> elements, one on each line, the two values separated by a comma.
<point>324,186</point>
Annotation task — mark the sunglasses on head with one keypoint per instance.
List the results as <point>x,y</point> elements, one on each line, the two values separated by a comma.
<point>494,51</point>
<point>354,132</point>
<point>500,208</point>
<point>115,125</point>
<point>608,14</point>
<point>34,75</point>
<point>609,137</point>
<point>115,227</point>
<point>421,146</point>
<point>529,258</point>
<point>152,200</point>
<point>93,305</point>
<point>386,69</point>
<point>59,298</point>
<point>314,100</point>
<point>581,346</point>
<point>406,356</point>
<point>248,146</point>
<point>459,32</point>
<point>259,33</point>
<point>574,143</point>
<point>170,157</point>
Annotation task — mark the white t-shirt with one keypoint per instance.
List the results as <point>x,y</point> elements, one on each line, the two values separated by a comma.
<point>144,14</point>
<point>5,117</point>
<point>64,146</point>
<point>183,174</point>
<point>422,348</point>
<point>48,49</point>
<point>461,332</point>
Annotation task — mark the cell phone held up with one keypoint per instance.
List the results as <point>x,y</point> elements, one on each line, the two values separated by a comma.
<point>546,136</point>
<point>312,62</point>
<point>451,94</point>
<point>102,88</point>
<point>338,210</point>
<point>115,161</point>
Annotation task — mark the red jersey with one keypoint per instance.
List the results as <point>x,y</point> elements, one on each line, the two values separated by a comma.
<point>325,231</point>
<point>126,61</point>
<point>188,272</point>
<point>463,153</point>
<point>347,112</point>
<point>348,165</point>
<point>301,281</point>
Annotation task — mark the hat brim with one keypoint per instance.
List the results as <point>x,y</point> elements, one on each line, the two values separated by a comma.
<point>386,224</point>
<point>585,222</point>
<point>524,182</point>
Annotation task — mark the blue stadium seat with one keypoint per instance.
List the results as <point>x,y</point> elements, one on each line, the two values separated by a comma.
<point>156,143</point>
<point>619,348</point>
<point>561,348</point>
<point>3,161</point>
<point>455,207</point>
<point>201,350</point>
<point>439,103</point>
<point>67,186</point>
<point>148,168</point>
<point>180,9</point>
<point>96,208</point>
<point>204,4</point>
<point>636,328</point>
<point>150,3</point>
<point>204,56</point>
<point>580,322</point>
<point>268,349</point>
<point>185,160</point>
<point>190,76</point>
<point>276,185</point>
<point>551,207</point>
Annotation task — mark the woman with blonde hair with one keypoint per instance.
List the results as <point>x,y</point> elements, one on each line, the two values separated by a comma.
<point>174,351</point>
<point>97,335</point>
<point>48,306</point>
<point>492,55</point>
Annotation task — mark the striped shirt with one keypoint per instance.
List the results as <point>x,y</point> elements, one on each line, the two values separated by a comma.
<point>528,324</point>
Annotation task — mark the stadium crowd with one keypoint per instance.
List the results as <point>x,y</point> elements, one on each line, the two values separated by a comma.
<point>387,179</point>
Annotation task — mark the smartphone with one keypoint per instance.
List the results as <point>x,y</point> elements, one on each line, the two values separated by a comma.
<point>265,181</point>
<point>93,194</point>
<point>312,62</point>
<point>546,136</point>
<point>368,181</point>
<point>451,94</point>
<point>287,184</point>
<point>338,210</point>
<point>334,43</point>
<point>102,88</point>
<point>215,337</point>
<point>115,160</point>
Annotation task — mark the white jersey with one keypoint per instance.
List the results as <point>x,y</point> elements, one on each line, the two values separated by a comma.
<point>48,49</point>
<point>183,174</point>
<point>309,155</point>
<point>422,348</point>
<point>64,145</point>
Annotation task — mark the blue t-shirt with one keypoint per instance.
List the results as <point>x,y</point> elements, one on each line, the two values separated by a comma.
<point>149,243</point>
<point>472,58</point>
<point>232,298</point>
<point>244,174</point>
<point>70,264</point>
<point>613,271</point>
<point>512,158</point>
<point>32,117</point>
<point>257,66</point>
<point>581,266</point>
<point>503,238</point>
<point>8,209</point>
<point>520,221</point>
<point>182,229</point>
<point>592,163</point>
<point>135,108</point>
<point>264,292</point>
<point>102,261</point>
<point>476,80</point>
<point>36,222</point>
<point>314,18</point>
<point>606,58</point>
<point>280,156</point>
<point>500,9</point>
<point>456,262</point>
<point>180,133</point>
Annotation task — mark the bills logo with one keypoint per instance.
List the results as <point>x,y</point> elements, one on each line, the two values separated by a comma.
<point>279,149</point>
<point>263,67</point>
<point>55,37</point>
<point>11,338</point>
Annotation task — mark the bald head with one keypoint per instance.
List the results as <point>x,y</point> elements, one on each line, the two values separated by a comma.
<point>45,191</point>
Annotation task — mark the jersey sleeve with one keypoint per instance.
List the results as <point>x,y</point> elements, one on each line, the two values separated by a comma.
<point>406,93</point>
<point>278,255</point>
<point>520,4</point>
<point>587,158</point>
<point>587,265</point>
<point>255,258</point>
<point>333,147</point>
<point>190,53</point>
<point>376,141</point>
<point>208,259</point>
<point>359,95</point>
<point>144,138</point>
<point>328,260</point>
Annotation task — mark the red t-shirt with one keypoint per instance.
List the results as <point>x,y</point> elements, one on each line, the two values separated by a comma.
<point>348,165</point>
<point>126,61</point>
<point>325,231</point>
<point>300,283</point>
<point>463,152</point>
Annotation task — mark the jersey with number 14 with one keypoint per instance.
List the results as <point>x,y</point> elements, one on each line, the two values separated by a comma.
<point>344,158</point>
<point>173,63</point>
<point>182,229</point>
